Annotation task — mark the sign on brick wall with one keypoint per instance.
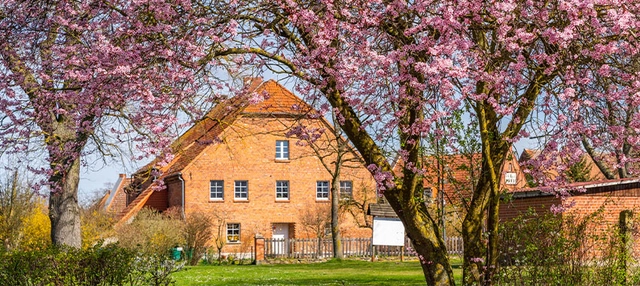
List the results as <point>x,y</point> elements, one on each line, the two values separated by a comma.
<point>510,178</point>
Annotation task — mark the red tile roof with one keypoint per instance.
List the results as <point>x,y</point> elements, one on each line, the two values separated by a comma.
<point>586,186</point>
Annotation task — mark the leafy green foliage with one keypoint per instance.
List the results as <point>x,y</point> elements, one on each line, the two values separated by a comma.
<point>108,265</point>
<point>580,171</point>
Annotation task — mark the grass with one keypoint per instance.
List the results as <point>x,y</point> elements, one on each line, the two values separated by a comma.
<point>345,272</point>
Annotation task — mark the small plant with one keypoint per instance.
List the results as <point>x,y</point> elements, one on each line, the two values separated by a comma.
<point>154,270</point>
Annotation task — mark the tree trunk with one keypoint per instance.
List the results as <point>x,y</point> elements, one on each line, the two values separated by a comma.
<point>64,211</point>
<point>492,228</point>
<point>335,195</point>
<point>423,231</point>
<point>473,243</point>
<point>64,144</point>
<point>335,223</point>
<point>494,152</point>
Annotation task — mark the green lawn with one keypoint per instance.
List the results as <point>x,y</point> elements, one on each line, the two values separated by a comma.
<point>346,272</point>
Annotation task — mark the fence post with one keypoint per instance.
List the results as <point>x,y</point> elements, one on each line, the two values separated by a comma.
<point>625,224</point>
<point>373,253</point>
<point>258,241</point>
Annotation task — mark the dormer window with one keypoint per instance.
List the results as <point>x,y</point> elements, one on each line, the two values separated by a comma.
<point>282,150</point>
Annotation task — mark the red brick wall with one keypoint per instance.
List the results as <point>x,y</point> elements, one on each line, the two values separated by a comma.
<point>248,153</point>
<point>611,201</point>
<point>511,209</point>
<point>174,192</point>
<point>158,200</point>
<point>119,201</point>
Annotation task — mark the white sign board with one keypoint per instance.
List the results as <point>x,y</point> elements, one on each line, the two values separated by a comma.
<point>388,231</point>
<point>510,178</point>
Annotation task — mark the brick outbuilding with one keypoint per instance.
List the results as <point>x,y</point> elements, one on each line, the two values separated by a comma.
<point>613,196</point>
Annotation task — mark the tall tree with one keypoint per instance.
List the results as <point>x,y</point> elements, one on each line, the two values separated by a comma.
<point>381,65</point>
<point>80,77</point>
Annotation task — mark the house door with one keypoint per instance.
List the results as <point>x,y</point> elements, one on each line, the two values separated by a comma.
<point>280,238</point>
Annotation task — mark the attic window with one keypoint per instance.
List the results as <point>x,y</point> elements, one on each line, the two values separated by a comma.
<point>282,150</point>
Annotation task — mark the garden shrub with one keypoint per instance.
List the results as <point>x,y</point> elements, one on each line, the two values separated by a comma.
<point>548,249</point>
<point>197,232</point>
<point>151,232</point>
<point>108,265</point>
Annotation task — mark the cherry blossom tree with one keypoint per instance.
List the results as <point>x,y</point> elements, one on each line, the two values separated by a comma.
<point>381,65</point>
<point>82,77</point>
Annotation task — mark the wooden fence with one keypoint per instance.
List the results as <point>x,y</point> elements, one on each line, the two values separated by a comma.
<point>313,248</point>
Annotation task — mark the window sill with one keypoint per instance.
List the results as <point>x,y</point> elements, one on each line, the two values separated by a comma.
<point>282,160</point>
<point>233,242</point>
<point>322,200</point>
<point>282,200</point>
<point>216,200</point>
<point>240,200</point>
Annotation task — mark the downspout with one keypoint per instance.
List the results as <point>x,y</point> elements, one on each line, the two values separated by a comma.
<point>182,185</point>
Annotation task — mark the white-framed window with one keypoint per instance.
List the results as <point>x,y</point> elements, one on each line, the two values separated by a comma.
<point>346,190</point>
<point>282,190</point>
<point>233,232</point>
<point>322,190</point>
<point>282,150</point>
<point>216,190</point>
<point>241,190</point>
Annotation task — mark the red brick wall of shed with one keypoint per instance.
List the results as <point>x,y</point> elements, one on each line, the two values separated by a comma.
<point>248,153</point>
<point>511,209</point>
<point>613,202</point>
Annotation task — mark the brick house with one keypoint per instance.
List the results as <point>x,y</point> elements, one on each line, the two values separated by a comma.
<point>456,175</point>
<point>238,165</point>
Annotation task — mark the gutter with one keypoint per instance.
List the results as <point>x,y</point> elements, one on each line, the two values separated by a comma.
<point>182,187</point>
<point>547,191</point>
